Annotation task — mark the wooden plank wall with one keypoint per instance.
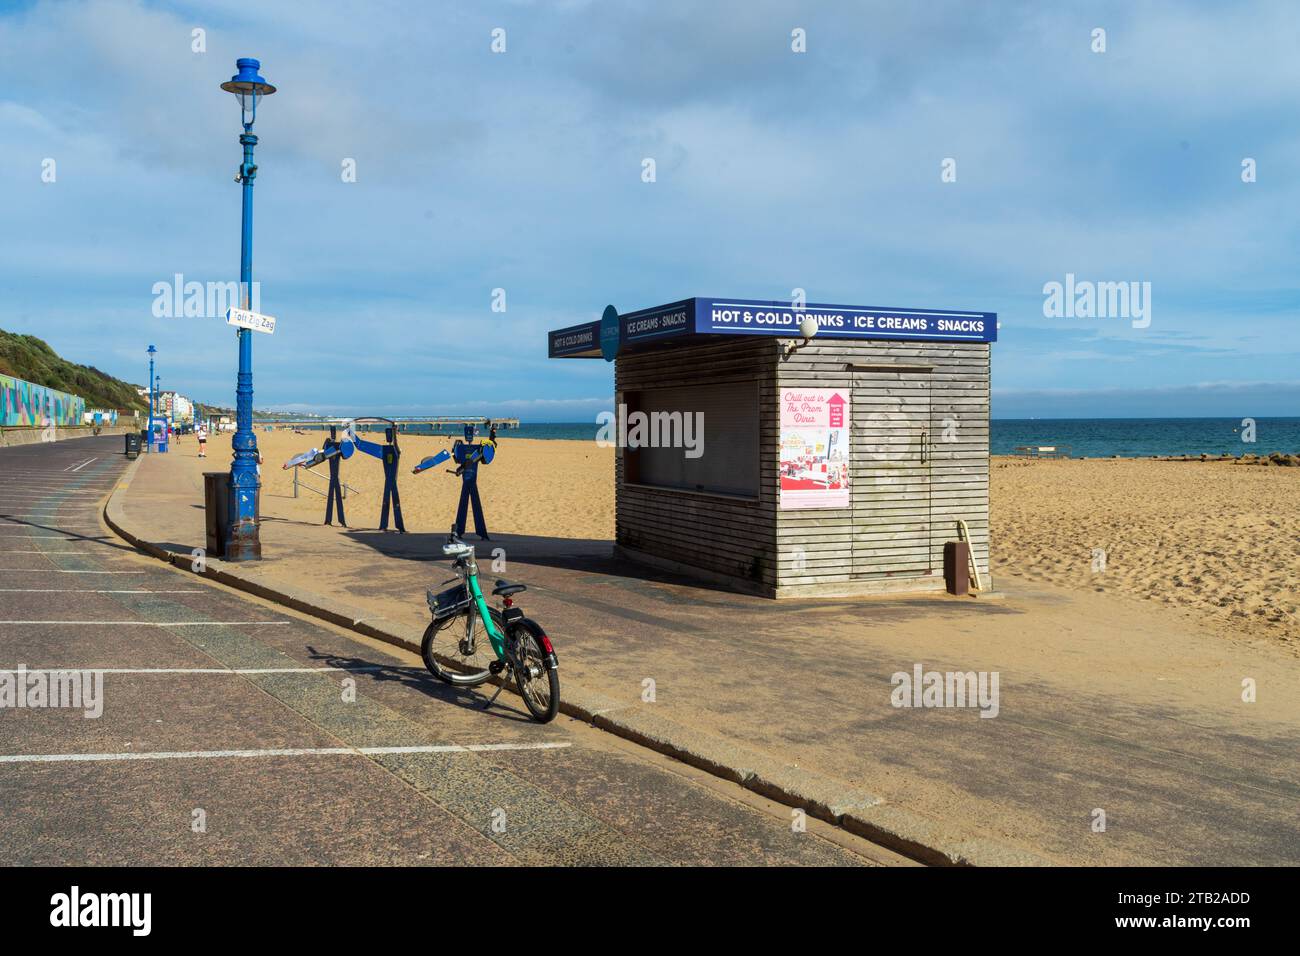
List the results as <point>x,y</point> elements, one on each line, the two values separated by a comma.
<point>728,536</point>
<point>814,550</point>
<point>817,548</point>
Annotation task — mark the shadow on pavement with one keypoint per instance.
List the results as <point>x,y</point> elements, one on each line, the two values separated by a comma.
<point>417,678</point>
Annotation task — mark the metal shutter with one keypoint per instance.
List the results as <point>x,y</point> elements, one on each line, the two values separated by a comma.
<point>729,463</point>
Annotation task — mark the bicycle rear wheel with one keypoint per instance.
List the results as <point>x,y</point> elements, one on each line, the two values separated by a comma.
<point>446,649</point>
<point>538,684</point>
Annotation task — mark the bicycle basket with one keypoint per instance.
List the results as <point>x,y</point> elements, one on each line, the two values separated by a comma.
<point>448,602</point>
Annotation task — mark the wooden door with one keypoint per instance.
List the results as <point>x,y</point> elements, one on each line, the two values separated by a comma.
<point>891,471</point>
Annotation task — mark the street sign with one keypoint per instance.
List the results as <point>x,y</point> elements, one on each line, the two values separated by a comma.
<point>245,319</point>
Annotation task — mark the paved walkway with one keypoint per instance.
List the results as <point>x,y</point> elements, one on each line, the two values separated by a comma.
<point>1105,704</point>
<point>233,732</point>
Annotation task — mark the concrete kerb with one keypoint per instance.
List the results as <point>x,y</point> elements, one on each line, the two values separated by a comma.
<point>823,797</point>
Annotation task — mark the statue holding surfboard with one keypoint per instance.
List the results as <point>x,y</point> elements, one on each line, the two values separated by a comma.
<point>468,455</point>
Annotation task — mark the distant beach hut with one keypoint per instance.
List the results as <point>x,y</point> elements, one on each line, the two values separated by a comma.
<point>821,450</point>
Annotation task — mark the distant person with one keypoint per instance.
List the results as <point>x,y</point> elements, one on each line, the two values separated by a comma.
<point>202,435</point>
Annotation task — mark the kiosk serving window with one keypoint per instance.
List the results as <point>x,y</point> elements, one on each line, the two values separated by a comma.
<point>701,438</point>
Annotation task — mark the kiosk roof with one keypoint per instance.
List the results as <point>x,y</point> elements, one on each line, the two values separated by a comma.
<point>684,322</point>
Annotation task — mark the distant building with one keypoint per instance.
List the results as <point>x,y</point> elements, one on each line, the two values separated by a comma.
<point>174,406</point>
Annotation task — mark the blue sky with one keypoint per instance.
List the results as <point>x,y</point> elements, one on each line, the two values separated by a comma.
<point>775,170</point>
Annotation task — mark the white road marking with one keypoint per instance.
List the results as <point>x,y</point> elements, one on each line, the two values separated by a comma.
<point>152,623</point>
<point>227,671</point>
<point>10,522</point>
<point>52,499</point>
<point>54,537</point>
<point>44,492</point>
<point>98,591</point>
<point>84,464</point>
<point>287,752</point>
<point>60,571</point>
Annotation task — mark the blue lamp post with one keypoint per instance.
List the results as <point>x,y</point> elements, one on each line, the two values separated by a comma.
<point>149,424</point>
<point>244,543</point>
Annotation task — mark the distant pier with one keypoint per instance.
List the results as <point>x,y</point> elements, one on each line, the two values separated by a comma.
<point>370,423</point>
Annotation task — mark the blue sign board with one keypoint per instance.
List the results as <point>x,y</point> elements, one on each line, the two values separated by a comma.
<point>699,316</point>
<point>577,341</point>
<point>611,334</point>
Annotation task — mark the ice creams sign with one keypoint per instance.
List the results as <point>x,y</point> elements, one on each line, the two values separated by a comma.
<point>814,462</point>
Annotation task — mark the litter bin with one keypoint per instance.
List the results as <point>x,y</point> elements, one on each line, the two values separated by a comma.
<point>956,566</point>
<point>132,445</point>
<point>216,505</point>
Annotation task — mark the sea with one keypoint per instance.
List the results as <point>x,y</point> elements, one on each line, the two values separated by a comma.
<point>1145,437</point>
<point>1084,437</point>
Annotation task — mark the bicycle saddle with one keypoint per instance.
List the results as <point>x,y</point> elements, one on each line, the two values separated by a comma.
<point>505,587</point>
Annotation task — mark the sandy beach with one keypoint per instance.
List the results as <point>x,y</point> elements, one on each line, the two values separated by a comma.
<point>1216,539</point>
<point>561,489</point>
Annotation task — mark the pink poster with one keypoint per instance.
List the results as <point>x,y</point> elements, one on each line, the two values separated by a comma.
<point>815,448</point>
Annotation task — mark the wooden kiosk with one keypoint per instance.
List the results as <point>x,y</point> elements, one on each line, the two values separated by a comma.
<point>793,466</point>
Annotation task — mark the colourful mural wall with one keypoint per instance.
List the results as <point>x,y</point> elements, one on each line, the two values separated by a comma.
<point>25,404</point>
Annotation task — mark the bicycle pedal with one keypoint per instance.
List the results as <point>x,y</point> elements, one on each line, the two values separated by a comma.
<point>496,667</point>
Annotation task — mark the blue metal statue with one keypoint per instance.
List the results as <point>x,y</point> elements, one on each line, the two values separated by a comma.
<point>333,452</point>
<point>389,454</point>
<point>468,455</point>
<point>335,491</point>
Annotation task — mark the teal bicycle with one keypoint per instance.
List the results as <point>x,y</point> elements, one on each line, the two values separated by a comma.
<point>468,641</point>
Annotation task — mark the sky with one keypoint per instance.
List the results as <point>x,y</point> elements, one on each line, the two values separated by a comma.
<point>775,170</point>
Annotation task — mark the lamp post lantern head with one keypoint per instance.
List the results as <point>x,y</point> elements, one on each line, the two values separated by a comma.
<point>249,86</point>
<point>151,350</point>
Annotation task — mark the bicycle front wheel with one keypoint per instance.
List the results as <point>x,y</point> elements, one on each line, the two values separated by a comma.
<point>456,656</point>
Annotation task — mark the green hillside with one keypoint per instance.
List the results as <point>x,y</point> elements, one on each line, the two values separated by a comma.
<point>27,357</point>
